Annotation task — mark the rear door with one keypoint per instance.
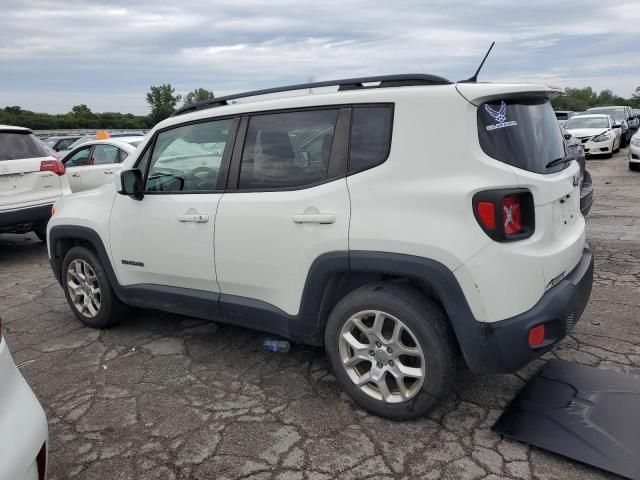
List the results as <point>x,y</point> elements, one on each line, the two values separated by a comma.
<point>286,204</point>
<point>21,180</point>
<point>103,163</point>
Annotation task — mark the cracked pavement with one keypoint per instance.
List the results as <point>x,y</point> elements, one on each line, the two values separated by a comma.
<point>169,397</point>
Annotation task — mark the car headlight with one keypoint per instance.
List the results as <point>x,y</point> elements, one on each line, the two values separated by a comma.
<point>635,142</point>
<point>603,137</point>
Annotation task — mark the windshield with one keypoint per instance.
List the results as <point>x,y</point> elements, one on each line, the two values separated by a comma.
<point>523,133</point>
<point>617,113</point>
<point>587,122</point>
<point>80,141</point>
<point>18,145</point>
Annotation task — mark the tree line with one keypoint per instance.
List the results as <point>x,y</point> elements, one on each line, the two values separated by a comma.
<point>580,99</point>
<point>163,101</point>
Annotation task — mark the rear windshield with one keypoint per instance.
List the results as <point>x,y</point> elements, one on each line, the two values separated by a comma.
<point>618,114</point>
<point>523,133</point>
<point>587,122</point>
<point>15,146</point>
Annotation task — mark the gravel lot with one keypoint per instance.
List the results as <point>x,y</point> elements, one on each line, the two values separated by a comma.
<point>163,396</point>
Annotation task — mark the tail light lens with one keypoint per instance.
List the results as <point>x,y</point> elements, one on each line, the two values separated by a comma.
<point>536,336</point>
<point>54,166</point>
<point>506,214</point>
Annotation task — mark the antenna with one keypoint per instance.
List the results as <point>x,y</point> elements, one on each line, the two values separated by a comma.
<point>474,79</point>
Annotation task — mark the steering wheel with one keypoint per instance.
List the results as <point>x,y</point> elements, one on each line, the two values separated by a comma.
<point>204,177</point>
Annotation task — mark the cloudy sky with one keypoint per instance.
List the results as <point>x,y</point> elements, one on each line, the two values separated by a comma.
<point>107,53</point>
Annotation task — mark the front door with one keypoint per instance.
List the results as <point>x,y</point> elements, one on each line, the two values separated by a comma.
<point>75,163</point>
<point>167,237</point>
<point>287,206</point>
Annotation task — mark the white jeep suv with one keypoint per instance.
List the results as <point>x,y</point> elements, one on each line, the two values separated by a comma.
<point>358,220</point>
<point>31,180</point>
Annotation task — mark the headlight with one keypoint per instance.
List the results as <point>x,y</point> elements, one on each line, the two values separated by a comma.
<point>603,137</point>
<point>635,142</point>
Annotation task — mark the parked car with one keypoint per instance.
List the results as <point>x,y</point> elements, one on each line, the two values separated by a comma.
<point>61,143</point>
<point>634,152</point>
<point>23,424</point>
<point>563,116</point>
<point>596,132</point>
<point>623,117</point>
<point>94,163</point>
<point>30,181</point>
<point>393,257</point>
<point>575,151</point>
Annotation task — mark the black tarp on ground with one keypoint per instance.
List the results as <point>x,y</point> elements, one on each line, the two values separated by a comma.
<point>581,412</point>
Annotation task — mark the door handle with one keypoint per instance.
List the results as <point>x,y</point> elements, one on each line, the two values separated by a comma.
<point>323,218</point>
<point>75,175</point>
<point>108,172</point>
<point>194,218</point>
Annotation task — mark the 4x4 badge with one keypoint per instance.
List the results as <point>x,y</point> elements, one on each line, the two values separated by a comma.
<point>500,116</point>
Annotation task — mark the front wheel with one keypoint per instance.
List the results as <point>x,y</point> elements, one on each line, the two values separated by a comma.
<point>391,350</point>
<point>88,291</point>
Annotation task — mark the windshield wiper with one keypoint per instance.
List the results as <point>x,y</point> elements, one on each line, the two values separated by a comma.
<point>555,162</point>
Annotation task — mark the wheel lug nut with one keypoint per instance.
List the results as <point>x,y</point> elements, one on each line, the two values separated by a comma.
<point>379,364</point>
<point>378,344</point>
<point>391,363</point>
<point>389,350</point>
<point>372,353</point>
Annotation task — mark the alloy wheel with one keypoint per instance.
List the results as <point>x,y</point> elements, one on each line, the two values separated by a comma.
<point>382,356</point>
<point>84,288</point>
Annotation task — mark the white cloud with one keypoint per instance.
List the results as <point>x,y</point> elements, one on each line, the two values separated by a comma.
<point>56,54</point>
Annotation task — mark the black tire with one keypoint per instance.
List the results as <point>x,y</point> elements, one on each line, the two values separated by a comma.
<point>111,310</point>
<point>623,141</point>
<point>429,325</point>
<point>40,229</point>
<point>634,166</point>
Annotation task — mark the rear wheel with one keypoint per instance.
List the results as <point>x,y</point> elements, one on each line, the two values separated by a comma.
<point>88,291</point>
<point>634,166</point>
<point>391,350</point>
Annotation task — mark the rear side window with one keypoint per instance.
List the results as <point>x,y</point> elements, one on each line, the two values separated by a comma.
<point>15,146</point>
<point>523,133</point>
<point>370,137</point>
<point>286,150</point>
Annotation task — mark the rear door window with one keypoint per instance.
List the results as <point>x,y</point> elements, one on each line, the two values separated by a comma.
<point>16,146</point>
<point>287,150</point>
<point>523,133</point>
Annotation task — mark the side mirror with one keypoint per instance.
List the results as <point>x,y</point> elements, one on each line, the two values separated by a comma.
<point>131,184</point>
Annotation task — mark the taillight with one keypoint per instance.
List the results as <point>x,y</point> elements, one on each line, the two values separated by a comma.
<point>505,215</point>
<point>512,215</point>
<point>41,462</point>
<point>54,166</point>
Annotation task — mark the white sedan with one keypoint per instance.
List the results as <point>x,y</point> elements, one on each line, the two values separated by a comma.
<point>596,132</point>
<point>634,152</point>
<point>94,163</point>
<point>23,425</point>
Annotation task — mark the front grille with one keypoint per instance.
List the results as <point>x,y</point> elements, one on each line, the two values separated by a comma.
<point>570,321</point>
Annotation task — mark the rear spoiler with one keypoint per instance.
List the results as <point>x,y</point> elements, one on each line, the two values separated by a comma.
<point>477,93</point>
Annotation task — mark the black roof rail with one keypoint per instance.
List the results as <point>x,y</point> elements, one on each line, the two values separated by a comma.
<point>403,80</point>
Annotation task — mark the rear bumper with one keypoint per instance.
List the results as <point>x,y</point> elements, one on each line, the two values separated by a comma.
<point>503,346</point>
<point>23,215</point>
<point>23,425</point>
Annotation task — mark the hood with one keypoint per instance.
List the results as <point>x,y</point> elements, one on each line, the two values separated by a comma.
<point>586,132</point>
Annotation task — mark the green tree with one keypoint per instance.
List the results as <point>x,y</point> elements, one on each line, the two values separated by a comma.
<point>81,110</point>
<point>198,95</point>
<point>163,101</point>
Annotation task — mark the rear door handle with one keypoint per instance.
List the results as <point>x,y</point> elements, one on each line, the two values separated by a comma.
<point>314,218</point>
<point>108,172</point>
<point>75,175</point>
<point>194,218</point>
